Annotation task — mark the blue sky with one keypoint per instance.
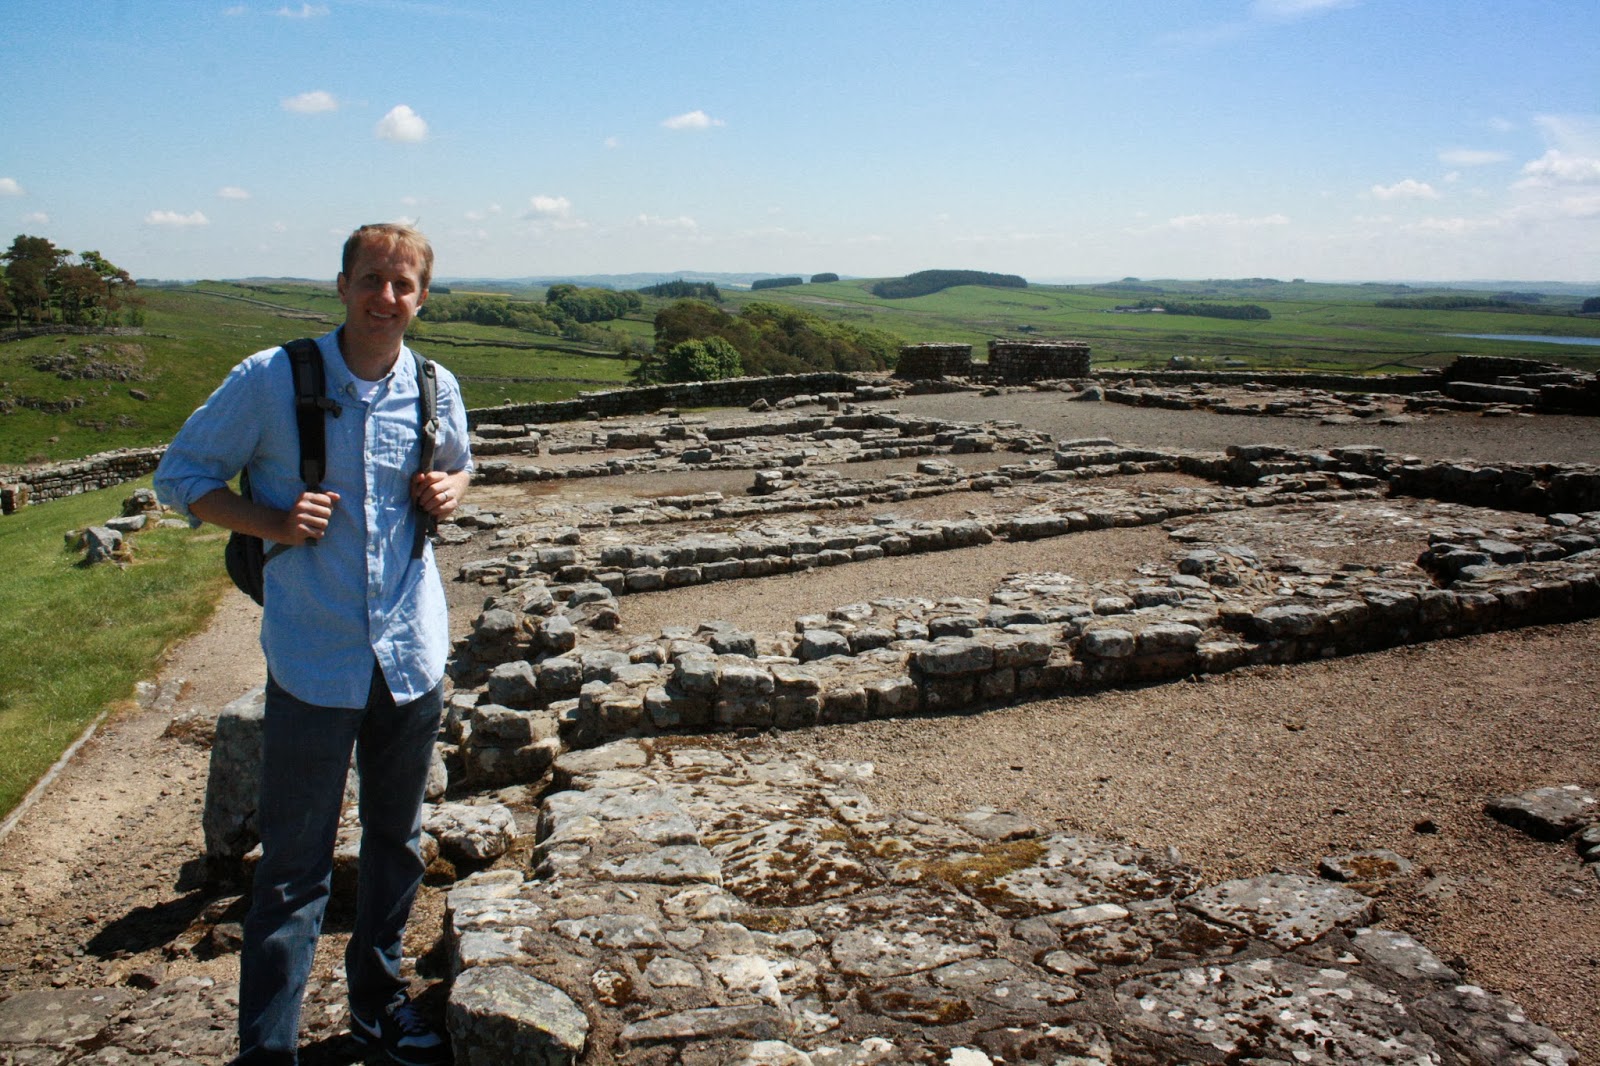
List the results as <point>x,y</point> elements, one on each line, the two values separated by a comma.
<point>1064,140</point>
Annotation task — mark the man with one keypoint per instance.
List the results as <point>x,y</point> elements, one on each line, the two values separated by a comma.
<point>355,635</point>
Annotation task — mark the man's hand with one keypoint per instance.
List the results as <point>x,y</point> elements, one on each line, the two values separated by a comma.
<point>438,492</point>
<point>305,522</point>
<point>307,519</point>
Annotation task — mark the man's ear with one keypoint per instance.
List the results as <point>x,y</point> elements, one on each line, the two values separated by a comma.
<point>341,284</point>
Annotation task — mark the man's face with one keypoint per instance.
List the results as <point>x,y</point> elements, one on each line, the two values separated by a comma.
<point>381,294</point>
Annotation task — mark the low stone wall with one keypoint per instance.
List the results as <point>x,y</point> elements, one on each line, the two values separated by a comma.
<point>732,392</point>
<point>81,475</point>
<point>1401,384</point>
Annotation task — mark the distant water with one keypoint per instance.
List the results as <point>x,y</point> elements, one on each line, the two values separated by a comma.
<point>1532,338</point>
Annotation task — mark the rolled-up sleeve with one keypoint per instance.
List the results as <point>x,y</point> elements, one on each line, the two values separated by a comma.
<point>216,442</point>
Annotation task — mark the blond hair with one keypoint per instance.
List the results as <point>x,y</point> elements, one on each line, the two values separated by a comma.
<point>390,235</point>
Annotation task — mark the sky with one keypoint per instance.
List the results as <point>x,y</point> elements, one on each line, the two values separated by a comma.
<point>1062,140</point>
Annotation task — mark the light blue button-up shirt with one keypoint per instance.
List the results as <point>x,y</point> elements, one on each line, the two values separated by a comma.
<point>357,593</point>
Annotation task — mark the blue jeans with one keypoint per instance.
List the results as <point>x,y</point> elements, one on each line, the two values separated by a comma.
<point>304,759</point>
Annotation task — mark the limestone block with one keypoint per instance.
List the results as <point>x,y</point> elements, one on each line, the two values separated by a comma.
<point>954,657</point>
<point>473,834</point>
<point>499,1014</point>
<point>233,782</point>
<point>1108,643</point>
<point>513,684</point>
<point>1551,813</point>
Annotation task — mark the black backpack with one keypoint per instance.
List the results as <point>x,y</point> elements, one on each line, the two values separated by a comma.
<point>246,556</point>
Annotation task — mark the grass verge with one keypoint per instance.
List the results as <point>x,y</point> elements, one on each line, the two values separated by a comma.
<point>75,640</point>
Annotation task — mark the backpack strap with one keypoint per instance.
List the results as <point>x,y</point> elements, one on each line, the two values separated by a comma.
<point>310,402</point>
<point>428,400</point>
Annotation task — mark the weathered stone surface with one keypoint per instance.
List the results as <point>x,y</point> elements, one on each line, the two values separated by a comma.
<point>1279,1011</point>
<point>469,833</point>
<point>1551,813</point>
<point>234,779</point>
<point>1375,865</point>
<point>499,1015</point>
<point>1286,909</point>
<point>61,1018</point>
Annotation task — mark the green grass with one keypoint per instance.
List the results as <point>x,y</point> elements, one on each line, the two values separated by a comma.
<point>1313,326</point>
<point>194,334</point>
<point>74,640</point>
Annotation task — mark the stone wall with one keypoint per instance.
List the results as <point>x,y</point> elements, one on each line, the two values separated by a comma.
<point>81,475</point>
<point>732,392</point>
<point>1019,362</point>
<point>924,361</point>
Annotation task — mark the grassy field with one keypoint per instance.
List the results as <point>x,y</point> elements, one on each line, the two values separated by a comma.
<point>74,640</point>
<point>192,335</point>
<point>1313,326</point>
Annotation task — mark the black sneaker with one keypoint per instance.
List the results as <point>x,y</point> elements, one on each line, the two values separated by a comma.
<point>403,1035</point>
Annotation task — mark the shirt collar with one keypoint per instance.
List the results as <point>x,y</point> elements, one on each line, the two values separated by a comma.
<point>342,383</point>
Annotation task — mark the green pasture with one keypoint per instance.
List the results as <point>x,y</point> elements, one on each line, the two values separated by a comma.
<point>1313,326</point>
<point>192,335</point>
<point>74,640</point>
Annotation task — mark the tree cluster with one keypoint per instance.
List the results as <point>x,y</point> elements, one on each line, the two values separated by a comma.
<point>775,283</point>
<point>1450,303</point>
<point>573,304</point>
<point>684,290</point>
<point>489,311</point>
<point>1591,306</point>
<point>1209,310</point>
<point>44,284</point>
<point>768,339</point>
<point>926,282</point>
<point>823,279</point>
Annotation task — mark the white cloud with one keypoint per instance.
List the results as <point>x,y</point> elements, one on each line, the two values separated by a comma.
<point>1556,167</point>
<point>172,218</point>
<point>236,10</point>
<point>311,103</point>
<point>403,125</point>
<point>1471,157</point>
<point>480,216</point>
<point>233,192</point>
<point>11,187</point>
<point>657,222</point>
<point>613,142</point>
<point>549,207</point>
<point>1501,125</point>
<point>692,120</point>
<point>1409,189</point>
<point>1224,220</point>
<point>305,11</point>
<point>36,218</point>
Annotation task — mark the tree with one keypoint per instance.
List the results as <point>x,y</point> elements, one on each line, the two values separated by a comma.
<point>709,360</point>
<point>29,264</point>
<point>1591,306</point>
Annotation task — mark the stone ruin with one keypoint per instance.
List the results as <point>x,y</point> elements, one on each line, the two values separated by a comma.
<point>1010,362</point>
<point>686,901</point>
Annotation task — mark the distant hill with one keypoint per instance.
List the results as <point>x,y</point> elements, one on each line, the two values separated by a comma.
<point>927,282</point>
<point>621,282</point>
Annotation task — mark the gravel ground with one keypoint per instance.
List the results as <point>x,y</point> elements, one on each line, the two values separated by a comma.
<point>1257,770</point>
